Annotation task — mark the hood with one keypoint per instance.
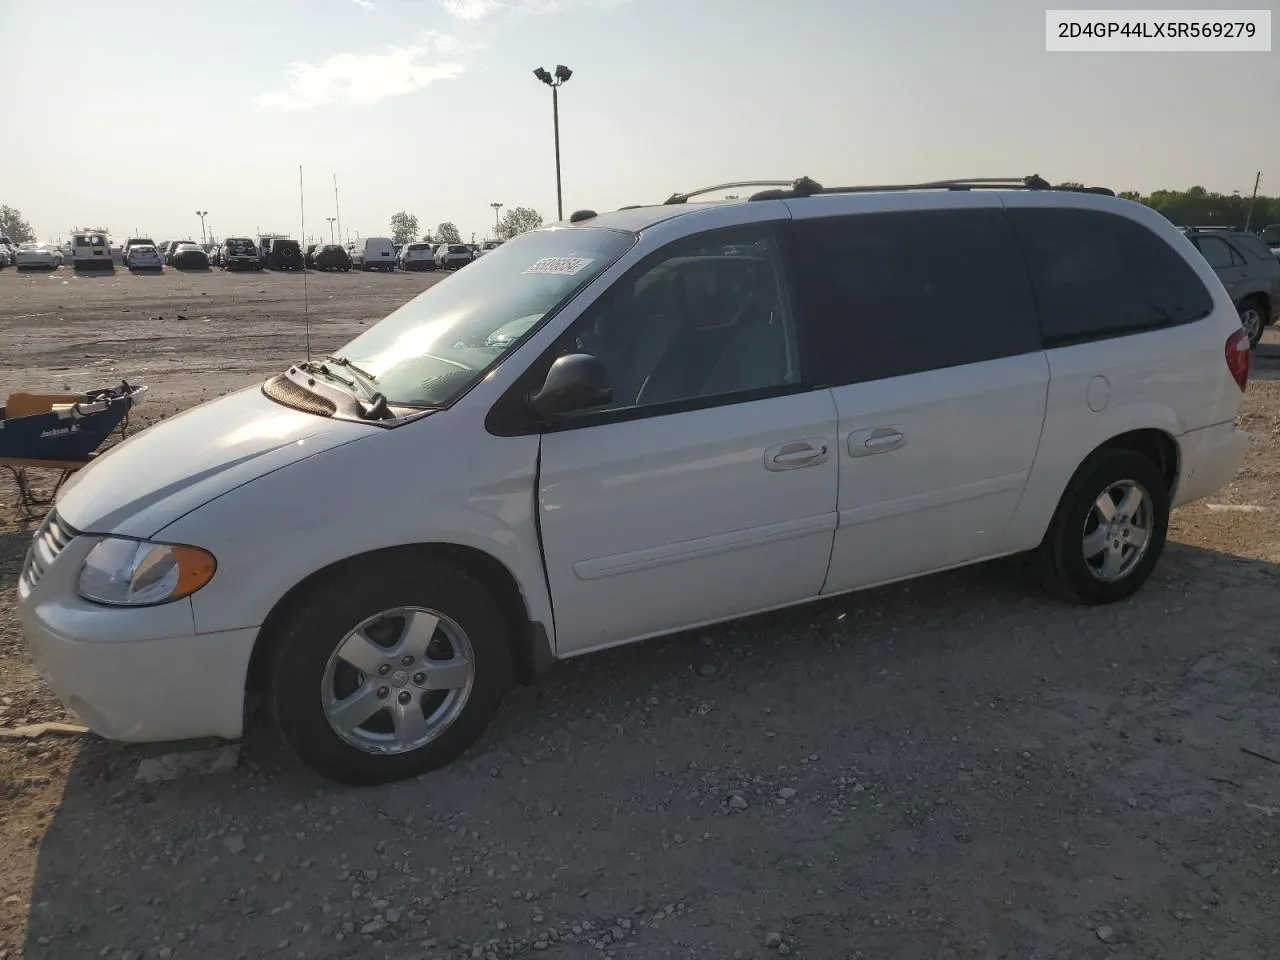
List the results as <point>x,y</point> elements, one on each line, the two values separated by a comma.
<point>151,479</point>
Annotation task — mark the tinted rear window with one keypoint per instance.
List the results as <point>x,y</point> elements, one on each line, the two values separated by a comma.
<point>1255,246</point>
<point>1099,274</point>
<point>889,294</point>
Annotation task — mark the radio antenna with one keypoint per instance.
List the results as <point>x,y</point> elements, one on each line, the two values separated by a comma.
<point>306,302</point>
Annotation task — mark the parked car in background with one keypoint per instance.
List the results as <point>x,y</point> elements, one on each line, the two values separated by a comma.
<point>171,252</point>
<point>214,253</point>
<point>285,254</point>
<point>332,256</point>
<point>1271,236</point>
<point>1249,271</point>
<point>417,256</point>
<point>356,254</point>
<point>9,249</point>
<point>453,255</point>
<point>190,256</point>
<point>379,254</point>
<point>143,256</point>
<point>239,253</point>
<point>35,256</point>
<point>309,258</point>
<point>91,250</point>
<point>488,245</point>
<point>131,242</point>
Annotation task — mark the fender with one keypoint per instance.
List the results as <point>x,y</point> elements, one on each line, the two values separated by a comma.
<point>402,487</point>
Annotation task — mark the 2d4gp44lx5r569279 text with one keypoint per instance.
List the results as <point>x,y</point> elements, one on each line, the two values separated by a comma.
<point>634,423</point>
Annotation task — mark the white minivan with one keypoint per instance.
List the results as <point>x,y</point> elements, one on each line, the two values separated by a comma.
<point>379,254</point>
<point>633,424</point>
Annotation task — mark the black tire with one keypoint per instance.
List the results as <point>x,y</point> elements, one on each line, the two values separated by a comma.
<point>321,620</point>
<point>1060,561</point>
<point>1253,317</point>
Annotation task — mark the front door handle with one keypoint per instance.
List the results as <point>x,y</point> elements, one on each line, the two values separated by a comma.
<point>866,443</point>
<point>796,453</point>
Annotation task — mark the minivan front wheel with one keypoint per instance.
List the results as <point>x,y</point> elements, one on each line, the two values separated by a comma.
<point>1109,530</point>
<point>389,670</point>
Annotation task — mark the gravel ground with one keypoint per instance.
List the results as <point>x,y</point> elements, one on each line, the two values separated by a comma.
<point>957,767</point>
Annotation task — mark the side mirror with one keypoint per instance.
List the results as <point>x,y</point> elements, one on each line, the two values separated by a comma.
<point>577,381</point>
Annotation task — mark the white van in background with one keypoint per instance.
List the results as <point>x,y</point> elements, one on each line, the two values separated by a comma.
<point>379,254</point>
<point>91,249</point>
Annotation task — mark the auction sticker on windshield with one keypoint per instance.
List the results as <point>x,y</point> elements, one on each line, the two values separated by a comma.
<point>560,266</point>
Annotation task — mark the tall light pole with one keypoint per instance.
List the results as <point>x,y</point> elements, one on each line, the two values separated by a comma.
<point>331,221</point>
<point>337,211</point>
<point>1248,220</point>
<point>204,237</point>
<point>496,208</point>
<point>554,81</point>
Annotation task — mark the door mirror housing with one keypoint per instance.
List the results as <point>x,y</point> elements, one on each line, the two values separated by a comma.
<point>577,381</point>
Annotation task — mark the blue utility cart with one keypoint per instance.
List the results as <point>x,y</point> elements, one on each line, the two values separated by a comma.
<point>60,432</point>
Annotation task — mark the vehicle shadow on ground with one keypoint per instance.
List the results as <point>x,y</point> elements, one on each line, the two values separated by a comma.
<point>1265,363</point>
<point>975,770</point>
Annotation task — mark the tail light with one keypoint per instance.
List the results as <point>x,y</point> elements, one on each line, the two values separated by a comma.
<point>1237,351</point>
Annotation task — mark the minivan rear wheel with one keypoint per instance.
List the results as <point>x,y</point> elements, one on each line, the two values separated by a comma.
<point>389,670</point>
<point>1109,530</point>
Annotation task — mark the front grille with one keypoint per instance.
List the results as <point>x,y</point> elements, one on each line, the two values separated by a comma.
<point>50,539</point>
<point>283,390</point>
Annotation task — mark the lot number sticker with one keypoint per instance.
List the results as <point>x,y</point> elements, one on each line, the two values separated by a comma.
<point>560,266</point>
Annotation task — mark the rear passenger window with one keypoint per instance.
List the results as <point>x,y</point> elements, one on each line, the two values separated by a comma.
<point>1102,275</point>
<point>889,294</point>
<point>1256,247</point>
<point>1218,252</point>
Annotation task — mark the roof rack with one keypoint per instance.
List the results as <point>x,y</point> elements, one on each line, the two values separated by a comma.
<point>1211,227</point>
<point>807,187</point>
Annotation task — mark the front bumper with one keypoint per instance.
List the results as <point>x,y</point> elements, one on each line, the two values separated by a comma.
<point>134,674</point>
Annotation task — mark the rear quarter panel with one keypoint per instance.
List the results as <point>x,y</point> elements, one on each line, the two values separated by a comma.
<point>1174,380</point>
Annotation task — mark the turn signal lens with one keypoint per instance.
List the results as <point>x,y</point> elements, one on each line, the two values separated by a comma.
<point>133,573</point>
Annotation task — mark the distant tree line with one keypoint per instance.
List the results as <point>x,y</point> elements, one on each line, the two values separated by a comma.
<point>1198,207</point>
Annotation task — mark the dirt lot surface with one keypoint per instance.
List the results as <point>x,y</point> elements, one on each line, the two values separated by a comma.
<point>957,767</point>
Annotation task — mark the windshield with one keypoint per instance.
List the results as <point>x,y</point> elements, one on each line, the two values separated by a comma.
<point>438,344</point>
<point>242,246</point>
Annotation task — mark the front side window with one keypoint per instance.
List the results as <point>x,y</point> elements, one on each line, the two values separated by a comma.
<point>705,318</point>
<point>890,294</point>
<point>437,345</point>
<point>1218,252</point>
<point>1099,275</point>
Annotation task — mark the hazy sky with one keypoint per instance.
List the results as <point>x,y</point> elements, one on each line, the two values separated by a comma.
<point>134,115</point>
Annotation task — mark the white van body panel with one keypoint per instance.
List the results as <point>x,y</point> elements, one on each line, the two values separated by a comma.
<point>379,252</point>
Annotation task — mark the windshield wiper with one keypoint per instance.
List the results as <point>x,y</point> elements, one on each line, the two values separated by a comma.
<point>376,408</point>
<point>344,362</point>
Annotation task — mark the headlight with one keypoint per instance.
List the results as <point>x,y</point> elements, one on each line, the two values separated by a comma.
<point>134,573</point>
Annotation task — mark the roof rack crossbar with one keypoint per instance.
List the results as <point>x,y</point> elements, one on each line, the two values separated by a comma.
<point>683,197</point>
